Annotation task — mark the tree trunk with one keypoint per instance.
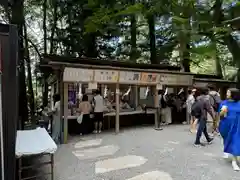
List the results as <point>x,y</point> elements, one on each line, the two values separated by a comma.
<point>219,71</point>
<point>45,76</point>
<point>45,26</point>
<point>90,45</point>
<point>184,47</point>
<point>29,79</point>
<point>18,19</point>
<point>152,39</point>
<point>133,53</point>
<point>234,48</point>
<point>54,25</point>
<point>186,57</point>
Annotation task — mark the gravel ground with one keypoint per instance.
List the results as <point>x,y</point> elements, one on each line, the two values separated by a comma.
<point>170,150</point>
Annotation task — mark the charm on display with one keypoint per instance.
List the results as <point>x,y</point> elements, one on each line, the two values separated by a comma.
<point>147,91</point>
<point>166,91</point>
<point>105,92</point>
<point>127,93</point>
<point>79,90</point>
<point>181,90</point>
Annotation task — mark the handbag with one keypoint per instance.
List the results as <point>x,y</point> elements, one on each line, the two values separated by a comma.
<point>79,119</point>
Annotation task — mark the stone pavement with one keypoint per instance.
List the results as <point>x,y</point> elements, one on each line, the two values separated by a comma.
<point>142,153</point>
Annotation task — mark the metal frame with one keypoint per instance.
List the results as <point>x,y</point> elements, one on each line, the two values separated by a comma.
<point>22,168</point>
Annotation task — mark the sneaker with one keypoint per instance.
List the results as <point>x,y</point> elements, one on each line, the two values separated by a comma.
<point>99,131</point>
<point>95,132</point>
<point>225,155</point>
<point>210,141</point>
<point>235,166</point>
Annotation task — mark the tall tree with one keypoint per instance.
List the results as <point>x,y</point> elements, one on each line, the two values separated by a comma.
<point>45,74</point>
<point>18,19</point>
<point>31,98</point>
<point>133,53</point>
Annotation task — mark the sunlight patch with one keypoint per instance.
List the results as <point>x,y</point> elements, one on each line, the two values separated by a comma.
<point>96,152</point>
<point>119,163</point>
<point>88,143</point>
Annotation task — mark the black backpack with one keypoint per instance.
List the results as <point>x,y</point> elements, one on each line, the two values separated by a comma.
<point>214,103</point>
<point>197,109</point>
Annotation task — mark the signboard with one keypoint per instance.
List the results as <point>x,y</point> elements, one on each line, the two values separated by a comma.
<point>77,75</point>
<point>125,77</point>
<point>149,78</point>
<point>107,76</point>
<point>129,77</point>
<point>176,79</point>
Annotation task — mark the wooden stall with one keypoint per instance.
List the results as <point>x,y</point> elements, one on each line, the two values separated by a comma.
<point>94,72</point>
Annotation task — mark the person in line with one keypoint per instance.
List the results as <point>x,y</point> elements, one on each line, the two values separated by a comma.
<point>56,124</point>
<point>190,119</point>
<point>199,110</point>
<point>166,114</point>
<point>98,107</point>
<point>215,100</point>
<point>85,108</point>
<point>229,126</point>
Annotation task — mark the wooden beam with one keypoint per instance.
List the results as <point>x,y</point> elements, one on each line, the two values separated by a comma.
<point>117,123</point>
<point>65,122</point>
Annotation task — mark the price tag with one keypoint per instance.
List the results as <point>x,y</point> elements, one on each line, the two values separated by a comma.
<point>117,91</point>
<point>159,87</point>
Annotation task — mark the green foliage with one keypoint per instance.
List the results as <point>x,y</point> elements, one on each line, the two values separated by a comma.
<point>104,27</point>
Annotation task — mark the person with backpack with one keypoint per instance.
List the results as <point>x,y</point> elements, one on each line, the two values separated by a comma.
<point>215,100</point>
<point>229,126</point>
<point>199,110</point>
<point>166,114</point>
<point>189,102</point>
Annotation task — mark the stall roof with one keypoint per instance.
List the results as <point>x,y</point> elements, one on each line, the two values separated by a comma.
<point>211,79</point>
<point>73,61</point>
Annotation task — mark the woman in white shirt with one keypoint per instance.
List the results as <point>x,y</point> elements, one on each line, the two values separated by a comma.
<point>56,124</point>
<point>85,109</point>
<point>98,107</point>
<point>190,101</point>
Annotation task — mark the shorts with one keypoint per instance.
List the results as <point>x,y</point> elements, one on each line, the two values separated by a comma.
<point>98,117</point>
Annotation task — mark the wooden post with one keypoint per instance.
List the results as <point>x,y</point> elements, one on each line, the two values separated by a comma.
<point>157,114</point>
<point>65,122</point>
<point>117,124</point>
<point>136,95</point>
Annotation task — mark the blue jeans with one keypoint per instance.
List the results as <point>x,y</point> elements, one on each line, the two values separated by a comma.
<point>202,128</point>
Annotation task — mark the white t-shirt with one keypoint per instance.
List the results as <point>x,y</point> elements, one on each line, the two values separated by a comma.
<point>190,102</point>
<point>98,103</point>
